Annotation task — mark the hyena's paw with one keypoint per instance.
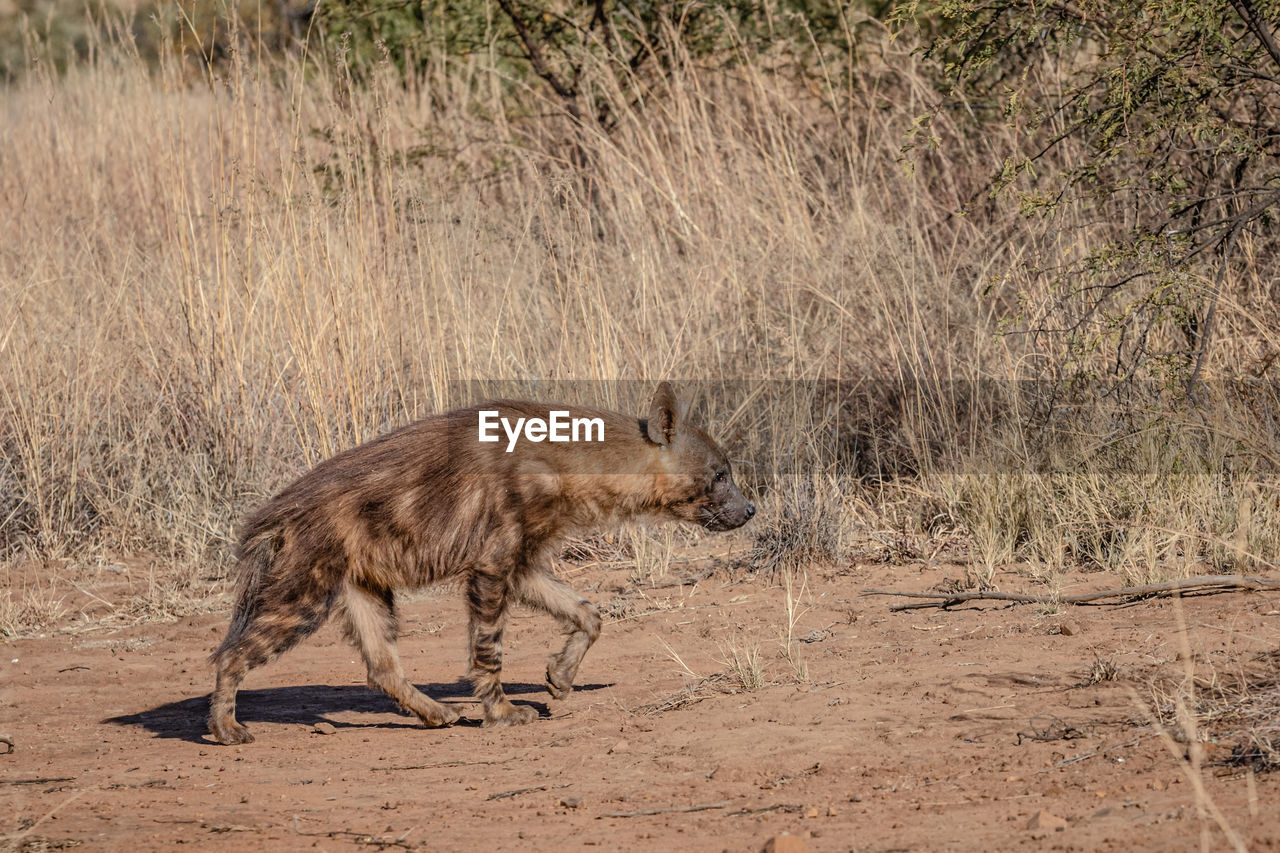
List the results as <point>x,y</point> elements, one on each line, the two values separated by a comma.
<point>559,684</point>
<point>432,714</point>
<point>509,715</point>
<point>439,717</point>
<point>230,733</point>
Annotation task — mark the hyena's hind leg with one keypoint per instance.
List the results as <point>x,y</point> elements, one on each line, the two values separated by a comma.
<point>270,619</point>
<point>370,623</point>
<point>580,619</point>
<point>487,597</point>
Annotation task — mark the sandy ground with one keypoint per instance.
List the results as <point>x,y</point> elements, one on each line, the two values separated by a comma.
<point>921,730</point>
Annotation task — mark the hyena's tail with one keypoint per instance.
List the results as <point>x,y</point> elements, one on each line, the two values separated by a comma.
<point>254,560</point>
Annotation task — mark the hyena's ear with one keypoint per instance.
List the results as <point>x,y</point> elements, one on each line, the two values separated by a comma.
<point>664,412</point>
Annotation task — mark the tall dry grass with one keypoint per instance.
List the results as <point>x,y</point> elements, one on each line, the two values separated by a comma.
<point>212,279</point>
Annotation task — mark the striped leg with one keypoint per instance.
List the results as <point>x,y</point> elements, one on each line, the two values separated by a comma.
<point>282,614</point>
<point>487,597</point>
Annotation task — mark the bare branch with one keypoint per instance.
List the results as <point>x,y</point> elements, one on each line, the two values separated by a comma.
<point>534,51</point>
<point>1201,583</point>
<point>1261,29</point>
<point>669,810</point>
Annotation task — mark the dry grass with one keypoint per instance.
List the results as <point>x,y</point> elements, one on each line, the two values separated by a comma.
<point>212,280</point>
<point>652,551</point>
<point>1103,669</point>
<point>742,663</point>
<point>1236,709</point>
<point>23,611</point>
<point>795,591</point>
<point>1257,727</point>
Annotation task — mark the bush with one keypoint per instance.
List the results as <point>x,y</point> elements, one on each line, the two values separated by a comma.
<point>1149,131</point>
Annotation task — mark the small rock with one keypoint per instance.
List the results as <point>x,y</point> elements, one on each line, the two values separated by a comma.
<point>1069,628</point>
<point>831,811</point>
<point>811,813</point>
<point>1157,785</point>
<point>620,746</point>
<point>324,729</point>
<point>570,802</point>
<point>1046,820</point>
<point>785,843</point>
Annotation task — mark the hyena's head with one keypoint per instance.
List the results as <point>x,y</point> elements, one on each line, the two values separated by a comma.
<point>699,483</point>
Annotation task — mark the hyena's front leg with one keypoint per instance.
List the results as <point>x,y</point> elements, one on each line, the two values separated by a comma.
<point>581,621</point>
<point>487,596</point>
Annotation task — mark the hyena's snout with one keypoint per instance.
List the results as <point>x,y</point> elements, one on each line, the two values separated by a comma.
<point>728,509</point>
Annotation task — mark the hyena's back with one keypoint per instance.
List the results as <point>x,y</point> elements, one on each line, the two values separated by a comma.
<point>402,510</point>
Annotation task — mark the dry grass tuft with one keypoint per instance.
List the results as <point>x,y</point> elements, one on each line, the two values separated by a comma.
<point>1103,669</point>
<point>26,611</point>
<point>1239,712</point>
<point>743,664</point>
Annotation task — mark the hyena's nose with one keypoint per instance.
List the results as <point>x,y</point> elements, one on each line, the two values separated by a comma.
<point>751,511</point>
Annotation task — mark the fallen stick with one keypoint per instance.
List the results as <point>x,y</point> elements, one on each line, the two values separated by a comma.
<point>361,838</point>
<point>668,810</point>
<point>1201,583</point>
<point>687,580</point>
<point>502,795</point>
<point>39,780</point>
<point>1076,759</point>
<point>441,764</point>
<point>789,808</point>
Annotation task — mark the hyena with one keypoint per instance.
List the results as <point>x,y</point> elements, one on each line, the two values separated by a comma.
<point>431,502</point>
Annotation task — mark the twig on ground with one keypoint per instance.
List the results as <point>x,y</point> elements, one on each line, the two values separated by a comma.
<point>688,580</point>
<point>150,783</point>
<point>667,810</point>
<point>361,838</point>
<point>788,808</point>
<point>39,780</point>
<point>1075,759</point>
<point>1201,583</point>
<point>442,764</point>
<point>7,740</point>
<point>502,795</point>
<point>714,684</point>
<point>1047,727</point>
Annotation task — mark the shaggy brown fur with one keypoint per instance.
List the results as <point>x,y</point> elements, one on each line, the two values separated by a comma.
<point>429,503</point>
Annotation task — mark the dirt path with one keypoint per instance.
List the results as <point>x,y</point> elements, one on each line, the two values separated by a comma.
<point>905,735</point>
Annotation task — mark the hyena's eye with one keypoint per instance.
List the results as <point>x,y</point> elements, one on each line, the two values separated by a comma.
<point>720,476</point>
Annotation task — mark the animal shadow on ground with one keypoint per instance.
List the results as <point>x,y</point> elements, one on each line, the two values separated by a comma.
<point>310,704</point>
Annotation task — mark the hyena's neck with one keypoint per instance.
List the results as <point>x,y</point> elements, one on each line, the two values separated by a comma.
<point>594,501</point>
